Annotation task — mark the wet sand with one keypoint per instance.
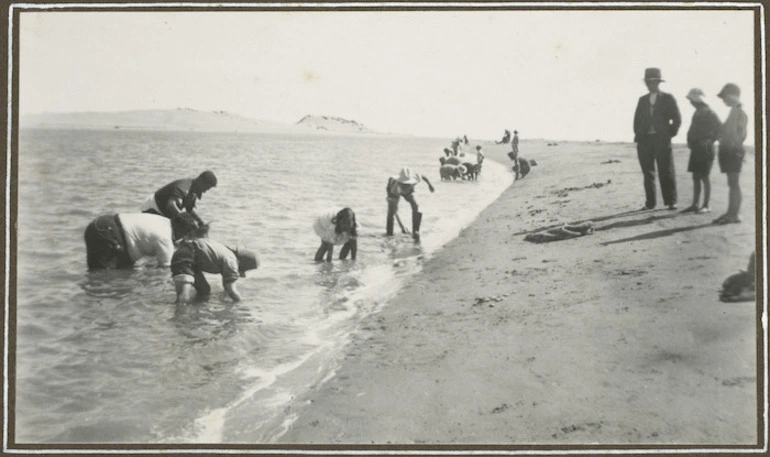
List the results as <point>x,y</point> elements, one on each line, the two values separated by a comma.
<point>617,337</point>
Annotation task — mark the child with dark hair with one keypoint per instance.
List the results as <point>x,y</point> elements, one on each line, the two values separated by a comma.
<point>337,228</point>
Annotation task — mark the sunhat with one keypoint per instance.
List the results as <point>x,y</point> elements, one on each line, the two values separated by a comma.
<point>247,260</point>
<point>652,74</point>
<point>730,89</point>
<point>696,95</point>
<point>407,176</point>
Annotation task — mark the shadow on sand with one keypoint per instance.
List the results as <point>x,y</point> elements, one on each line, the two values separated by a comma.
<point>658,234</point>
<point>631,223</point>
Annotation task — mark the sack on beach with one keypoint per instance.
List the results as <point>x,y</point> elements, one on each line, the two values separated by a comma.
<point>738,287</point>
<point>564,232</point>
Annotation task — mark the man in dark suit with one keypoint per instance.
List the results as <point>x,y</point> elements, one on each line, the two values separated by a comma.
<point>656,121</point>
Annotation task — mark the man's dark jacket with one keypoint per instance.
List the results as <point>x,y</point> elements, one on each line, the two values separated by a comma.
<point>665,117</point>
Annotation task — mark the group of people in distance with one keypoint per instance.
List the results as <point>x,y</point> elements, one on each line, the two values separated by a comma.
<point>455,166</point>
<point>657,120</point>
<point>169,229</point>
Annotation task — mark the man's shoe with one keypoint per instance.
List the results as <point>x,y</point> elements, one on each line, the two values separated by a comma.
<point>672,206</point>
<point>690,209</point>
<point>703,210</point>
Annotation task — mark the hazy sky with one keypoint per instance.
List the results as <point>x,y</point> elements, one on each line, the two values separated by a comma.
<point>548,74</point>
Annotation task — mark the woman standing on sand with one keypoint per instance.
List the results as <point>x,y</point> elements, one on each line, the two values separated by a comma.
<point>703,132</point>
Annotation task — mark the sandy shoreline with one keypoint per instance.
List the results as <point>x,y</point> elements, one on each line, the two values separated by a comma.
<point>612,338</point>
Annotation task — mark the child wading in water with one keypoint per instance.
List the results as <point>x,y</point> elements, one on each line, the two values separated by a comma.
<point>731,152</point>
<point>335,229</point>
<point>704,131</point>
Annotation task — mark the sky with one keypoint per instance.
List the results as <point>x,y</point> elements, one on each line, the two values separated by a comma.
<point>561,75</point>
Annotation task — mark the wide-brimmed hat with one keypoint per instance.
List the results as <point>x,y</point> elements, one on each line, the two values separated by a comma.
<point>696,95</point>
<point>730,89</point>
<point>652,74</point>
<point>407,176</point>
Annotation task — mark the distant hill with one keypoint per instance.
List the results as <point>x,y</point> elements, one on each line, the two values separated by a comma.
<point>335,124</point>
<point>186,119</point>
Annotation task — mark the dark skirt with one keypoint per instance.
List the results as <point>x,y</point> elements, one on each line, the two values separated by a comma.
<point>730,160</point>
<point>106,244</point>
<point>701,160</point>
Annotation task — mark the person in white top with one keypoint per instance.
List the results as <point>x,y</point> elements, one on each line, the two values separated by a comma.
<point>337,228</point>
<point>120,240</point>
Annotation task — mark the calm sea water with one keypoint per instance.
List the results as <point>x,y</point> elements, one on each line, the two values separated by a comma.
<point>108,357</point>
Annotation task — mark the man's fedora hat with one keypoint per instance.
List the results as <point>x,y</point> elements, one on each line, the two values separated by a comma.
<point>652,74</point>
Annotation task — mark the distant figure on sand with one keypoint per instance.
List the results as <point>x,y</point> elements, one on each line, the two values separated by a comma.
<point>479,154</point>
<point>180,195</point>
<point>337,228</point>
<point>731,151</point>
<point>119,240</point>
<point>513,154</point>
<point>399,186</point>
<point>506,138</point>
<point>198,256</point>
<point>465,139</point>
<point>703,132</point>
<point>656,121</point>
<point>515,142</point>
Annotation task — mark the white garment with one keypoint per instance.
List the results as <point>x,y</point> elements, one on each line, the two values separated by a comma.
<point>324,227</point>
<point>148,235</point>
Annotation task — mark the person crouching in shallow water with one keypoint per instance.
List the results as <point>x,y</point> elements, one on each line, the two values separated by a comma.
<point>197,256</point>
<point>180,195</point>
<point>338,228</point>
<point>120,240</point>
<point>403,186</point>
<point>703,132</point>
<point>731,151</point>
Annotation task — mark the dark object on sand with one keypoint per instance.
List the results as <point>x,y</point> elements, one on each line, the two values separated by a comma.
<point>524,167</point>
<point>506,138</point>
<point>564,232</point>
<point>740,286</point>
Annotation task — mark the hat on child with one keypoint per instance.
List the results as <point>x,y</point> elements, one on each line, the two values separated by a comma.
<point>696,95</point>
<point>730,89</point>
<point>407,176</point>
<point>247,260</point>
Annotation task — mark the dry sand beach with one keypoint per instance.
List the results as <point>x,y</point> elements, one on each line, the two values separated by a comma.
<point>617,337</point>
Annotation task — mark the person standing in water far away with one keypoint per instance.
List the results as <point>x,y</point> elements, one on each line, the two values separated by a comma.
<point>399,186</point>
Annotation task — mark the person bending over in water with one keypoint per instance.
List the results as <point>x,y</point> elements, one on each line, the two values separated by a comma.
<point>403,186</point>
<point>197,256</point>
<point>120,240</point>
<point>337,228</point>
<point>180,196</point>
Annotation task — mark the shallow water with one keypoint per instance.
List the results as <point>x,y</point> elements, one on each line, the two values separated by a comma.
<point>108,357</point>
